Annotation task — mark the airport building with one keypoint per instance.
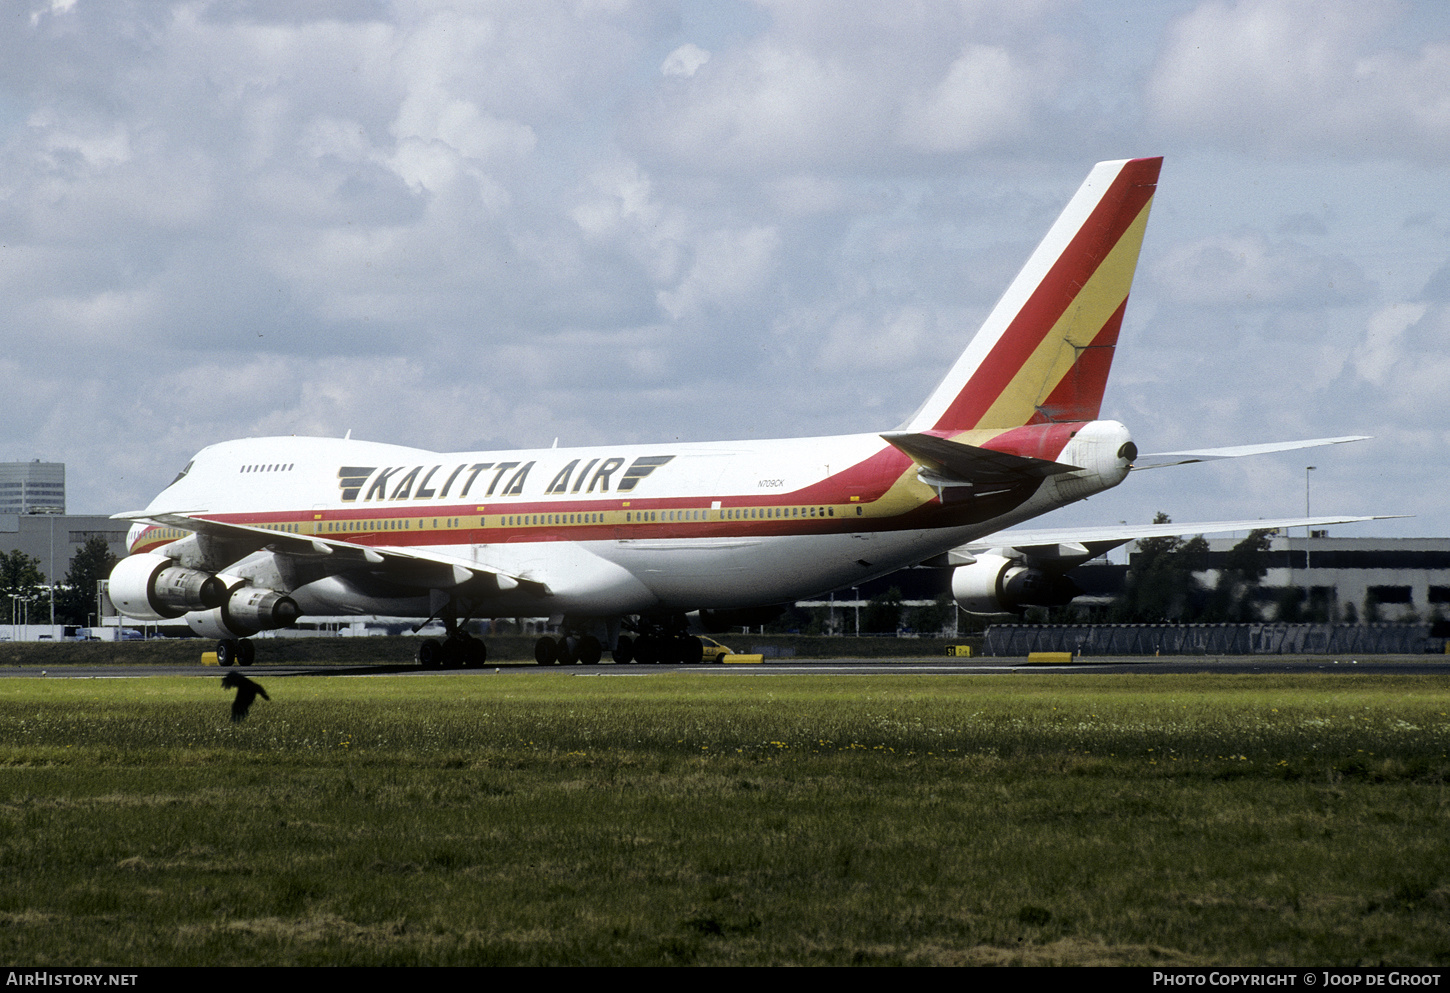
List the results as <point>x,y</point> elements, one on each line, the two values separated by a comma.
<point>33,518</point>
<point>54,539</point>
<point>1354,579</point>
<point>32,487</point>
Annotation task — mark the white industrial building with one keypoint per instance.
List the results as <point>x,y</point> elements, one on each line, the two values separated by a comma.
<point>1356,579</point>
<point>54,539</point>
<point>32,487</point>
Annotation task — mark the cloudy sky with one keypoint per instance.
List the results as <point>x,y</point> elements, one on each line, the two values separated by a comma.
<point>474,225</point>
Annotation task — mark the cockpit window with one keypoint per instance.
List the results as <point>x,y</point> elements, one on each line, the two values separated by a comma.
<point>183,472</point>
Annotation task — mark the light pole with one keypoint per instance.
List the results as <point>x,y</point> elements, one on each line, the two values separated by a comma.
<point>1307,533</point>
<point>50,579</point>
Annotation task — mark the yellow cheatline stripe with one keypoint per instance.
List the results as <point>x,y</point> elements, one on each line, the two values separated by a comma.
<point>1054,357</point>
<point>905,493</point>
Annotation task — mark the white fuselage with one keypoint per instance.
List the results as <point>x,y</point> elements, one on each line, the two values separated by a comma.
<point>603,531</point>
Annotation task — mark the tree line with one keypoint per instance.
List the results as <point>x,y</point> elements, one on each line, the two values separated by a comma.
<point>1163,585</point>
<point>25,593</point>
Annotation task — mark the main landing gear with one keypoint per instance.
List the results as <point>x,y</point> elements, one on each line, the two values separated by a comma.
<point>458,650</point>
<point>658,641</point>
<point>570,649</point>
<point>237,651</point>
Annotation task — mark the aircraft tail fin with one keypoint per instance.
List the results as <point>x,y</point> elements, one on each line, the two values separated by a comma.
<point>1043,354</point>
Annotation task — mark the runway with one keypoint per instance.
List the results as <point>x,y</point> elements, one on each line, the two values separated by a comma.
<point>1401,665</point>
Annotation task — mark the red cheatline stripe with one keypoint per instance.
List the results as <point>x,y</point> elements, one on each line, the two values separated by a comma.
<point>1034,441</point>
<point>1079,395</point>
<point>1120,206</point>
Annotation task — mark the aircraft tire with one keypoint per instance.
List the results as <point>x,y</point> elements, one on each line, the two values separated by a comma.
<point>475,653</point>
<point>246,652</point>
<point>430,655</point>
<point>545,651</point>
<point>691,650</point>
<point>590,651</point>
<point>226,653</point>
<point>452,654</point>
<point>624,650</point>
<point>568,650</point>
<point>647,650</point>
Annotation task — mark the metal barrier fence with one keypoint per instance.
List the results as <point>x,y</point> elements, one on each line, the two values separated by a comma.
<point>1212,639</point>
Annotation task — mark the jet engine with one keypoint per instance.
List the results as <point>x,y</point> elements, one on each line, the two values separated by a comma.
<point>245,611</point>
<point>996,584</point>
<point>151,587</point>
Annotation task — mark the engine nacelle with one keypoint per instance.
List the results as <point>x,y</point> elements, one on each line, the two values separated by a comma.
<point>995,584</point>
<point>246,610</point>
<point>151,587</point>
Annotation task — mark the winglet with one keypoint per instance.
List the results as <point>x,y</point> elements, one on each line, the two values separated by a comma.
<point>1043,354</point>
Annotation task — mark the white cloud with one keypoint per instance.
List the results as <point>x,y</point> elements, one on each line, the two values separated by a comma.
<point>52,7</point>
<point>1403,361</point>
<point>1246,269</point>
<point>684,61</point>
<point>1382,349</point>
<point>987,95</point>
<point>857,84</point>
<point>1303,76</point>
<point>867,343</point>
<point>105,146</point>
<point>620,208</point>
<point>771,104</point>
<point>727,265</point>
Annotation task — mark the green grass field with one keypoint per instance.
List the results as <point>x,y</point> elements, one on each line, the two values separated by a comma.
<point>667,818</point>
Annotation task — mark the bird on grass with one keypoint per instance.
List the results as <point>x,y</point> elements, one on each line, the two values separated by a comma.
<point>247,691</point>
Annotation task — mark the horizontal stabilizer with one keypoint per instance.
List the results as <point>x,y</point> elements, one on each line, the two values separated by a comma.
<point>967,465</point>
<point>1161,459</point>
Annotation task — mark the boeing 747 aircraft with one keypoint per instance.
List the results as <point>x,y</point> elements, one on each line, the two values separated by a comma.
<point>621,543</point>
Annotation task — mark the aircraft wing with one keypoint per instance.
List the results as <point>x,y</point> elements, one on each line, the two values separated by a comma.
<point>1161,459</point>
<point>410,563</point>
<point>1075,542</point>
